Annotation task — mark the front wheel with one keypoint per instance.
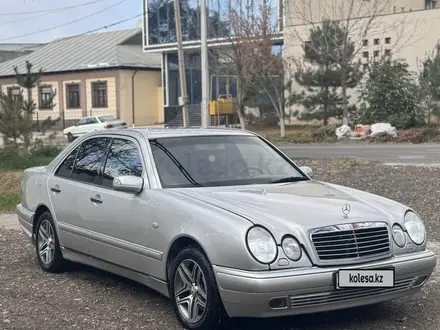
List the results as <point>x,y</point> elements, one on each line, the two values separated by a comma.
<point>194,293</point>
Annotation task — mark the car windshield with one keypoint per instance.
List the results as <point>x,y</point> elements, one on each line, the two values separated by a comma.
<point>221,160</point>
<point>106,118</point>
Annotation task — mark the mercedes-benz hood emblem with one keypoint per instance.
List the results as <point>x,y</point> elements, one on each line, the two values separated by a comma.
<point>346,209</point>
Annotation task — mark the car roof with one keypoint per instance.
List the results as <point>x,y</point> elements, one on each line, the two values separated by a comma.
<point>156,133</point>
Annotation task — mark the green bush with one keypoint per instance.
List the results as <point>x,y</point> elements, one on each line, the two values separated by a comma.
<point>8,202</point>
<point>325,133</point>
<point>46,151</point>
<point>12,159</point>
<point>390,95</point>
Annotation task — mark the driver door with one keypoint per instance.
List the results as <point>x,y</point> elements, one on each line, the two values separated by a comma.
<point>120,222</point>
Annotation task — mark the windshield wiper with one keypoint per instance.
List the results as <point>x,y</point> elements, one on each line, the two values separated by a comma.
<point>177,163</point>
<point>288,179</point>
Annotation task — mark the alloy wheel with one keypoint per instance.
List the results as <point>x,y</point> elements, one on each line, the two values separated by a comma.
<point>190,291</point>
<point>46,242</point>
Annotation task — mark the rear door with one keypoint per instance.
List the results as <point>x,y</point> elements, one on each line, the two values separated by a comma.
<point>70,188</point>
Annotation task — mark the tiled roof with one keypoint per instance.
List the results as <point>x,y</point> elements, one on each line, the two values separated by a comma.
<point>106,50</point>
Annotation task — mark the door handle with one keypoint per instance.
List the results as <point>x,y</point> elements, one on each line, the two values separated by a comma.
<point>96,199</point>
<point>55,189</point>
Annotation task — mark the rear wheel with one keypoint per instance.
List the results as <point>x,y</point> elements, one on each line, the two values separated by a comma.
<point>47,245</point>
<point>194,293</point>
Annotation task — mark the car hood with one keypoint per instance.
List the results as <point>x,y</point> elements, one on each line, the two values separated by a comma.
<point>68,129</point>
<point>297,207</point>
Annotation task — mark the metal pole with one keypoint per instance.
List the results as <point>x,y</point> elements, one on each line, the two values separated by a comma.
<point>184,100</point>
<point>204,65</point>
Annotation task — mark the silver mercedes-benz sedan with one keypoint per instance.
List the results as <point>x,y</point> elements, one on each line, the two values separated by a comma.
<point>221,222</point>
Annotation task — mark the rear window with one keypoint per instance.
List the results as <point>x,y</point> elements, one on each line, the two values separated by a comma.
<point>106,118</point>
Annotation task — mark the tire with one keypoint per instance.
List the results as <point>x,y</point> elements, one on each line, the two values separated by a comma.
<point>214,313</point>
<point>70,137</point>
<point>52,261</point>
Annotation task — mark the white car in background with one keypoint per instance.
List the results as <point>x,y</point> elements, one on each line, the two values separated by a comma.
<point>91,124</point>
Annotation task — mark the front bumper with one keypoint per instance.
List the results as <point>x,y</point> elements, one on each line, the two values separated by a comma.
<point>310,290</point>
<point>26,220</point>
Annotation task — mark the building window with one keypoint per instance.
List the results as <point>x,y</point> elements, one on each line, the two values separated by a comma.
<point>14,93</point>
<point>376,41</point>
<point>376,53</point>
<point>430,4</point>
<point>388,40</point>
<point>365,54</point>
<point>387,52</point>
<point>365,42</point>
<point>365,66</point>
<point>46,97</point>
<point>99,94</point>
<point>72,95</point>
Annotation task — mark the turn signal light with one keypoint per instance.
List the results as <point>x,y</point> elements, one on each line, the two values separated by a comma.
<point>108,126</point>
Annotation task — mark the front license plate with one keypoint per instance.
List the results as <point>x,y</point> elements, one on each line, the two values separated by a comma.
<point>365,278</point>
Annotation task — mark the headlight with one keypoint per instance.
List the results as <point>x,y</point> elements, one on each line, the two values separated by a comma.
<point>399,236</point>
<point>291,248</point>
<point>262,245</point>
<point>415,228</point>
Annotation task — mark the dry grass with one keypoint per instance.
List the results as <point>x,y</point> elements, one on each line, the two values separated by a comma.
<point>10,182</point>
<point>10,190</point>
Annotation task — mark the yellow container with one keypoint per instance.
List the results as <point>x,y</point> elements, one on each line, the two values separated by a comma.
<point>213,108</point>
<point>221,107</point>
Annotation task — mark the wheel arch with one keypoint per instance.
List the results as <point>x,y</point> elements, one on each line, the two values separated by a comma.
<point>178,245</point>
<point>38,212</point>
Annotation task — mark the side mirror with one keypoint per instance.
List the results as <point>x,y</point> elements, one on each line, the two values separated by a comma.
<point>307,170</point>
<point>128,183</point>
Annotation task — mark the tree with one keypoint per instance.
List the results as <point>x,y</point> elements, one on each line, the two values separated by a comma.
<point>429,80</point>
<point>237,59</point>
<point>17,113</point>
<point>358,21</point>
<point>271,69</point>
<point>251,59</point>
<point>324,75</point>
<point>390,94</point>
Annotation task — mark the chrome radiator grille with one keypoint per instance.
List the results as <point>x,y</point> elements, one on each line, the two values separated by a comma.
<point>351,241</point>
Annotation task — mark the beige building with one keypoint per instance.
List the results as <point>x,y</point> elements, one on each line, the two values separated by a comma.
<point>98,74</point>
<point>405,29</point>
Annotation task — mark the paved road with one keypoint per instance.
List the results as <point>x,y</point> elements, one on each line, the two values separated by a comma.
<point>405,154</point>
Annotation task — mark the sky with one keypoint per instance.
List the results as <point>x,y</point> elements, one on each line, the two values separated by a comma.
<point>20,20</point>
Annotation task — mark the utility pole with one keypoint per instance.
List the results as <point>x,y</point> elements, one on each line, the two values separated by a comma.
<point>183,101</point>
<point>206,118</point>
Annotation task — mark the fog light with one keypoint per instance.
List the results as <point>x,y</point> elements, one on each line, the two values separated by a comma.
<point>420,280</point>
<point>277,303</point>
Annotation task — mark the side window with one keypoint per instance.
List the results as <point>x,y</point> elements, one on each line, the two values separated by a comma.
<point>65,169</point>
<point>82,122</point>
<point>89,160</point>
<point>123,159</point>
<point>92,120</point>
